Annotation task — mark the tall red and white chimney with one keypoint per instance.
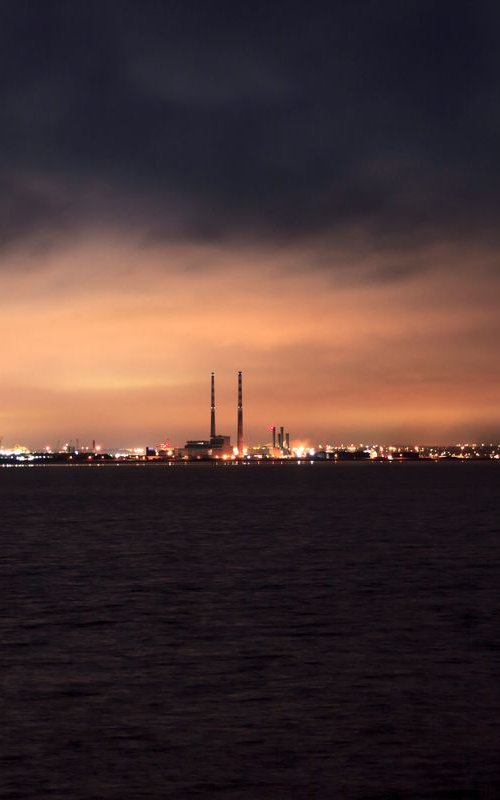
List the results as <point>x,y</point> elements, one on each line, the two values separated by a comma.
<point>240,415</point>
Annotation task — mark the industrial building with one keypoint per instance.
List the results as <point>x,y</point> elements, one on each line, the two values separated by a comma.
<point>218,445</point>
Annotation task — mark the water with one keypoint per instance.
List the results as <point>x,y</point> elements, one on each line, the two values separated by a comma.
<point>324,631</point>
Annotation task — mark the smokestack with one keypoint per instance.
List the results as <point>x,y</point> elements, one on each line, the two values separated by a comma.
<point>288,441</point>
<point>212,407</point>
<point>274,436</point>
<point>281,438</point>
<point>240,415</point>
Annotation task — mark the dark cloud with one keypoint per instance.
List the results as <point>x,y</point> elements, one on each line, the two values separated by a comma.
<point>276,121</point>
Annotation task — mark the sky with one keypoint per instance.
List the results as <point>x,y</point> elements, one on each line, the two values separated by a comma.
<point>308,192</point>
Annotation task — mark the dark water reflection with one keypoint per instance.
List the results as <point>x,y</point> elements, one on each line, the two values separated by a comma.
<point>294,632</point>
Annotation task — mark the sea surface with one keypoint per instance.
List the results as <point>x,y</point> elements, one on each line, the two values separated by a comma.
<point>248,633</point>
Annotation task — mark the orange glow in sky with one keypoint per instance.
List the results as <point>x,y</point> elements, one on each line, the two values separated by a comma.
<point>111,340</point>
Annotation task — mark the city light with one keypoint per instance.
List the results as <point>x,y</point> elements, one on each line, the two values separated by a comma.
<point>275,448</point>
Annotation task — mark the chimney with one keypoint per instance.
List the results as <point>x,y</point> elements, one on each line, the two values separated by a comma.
<point>212,408</point>
<point>240,415</point>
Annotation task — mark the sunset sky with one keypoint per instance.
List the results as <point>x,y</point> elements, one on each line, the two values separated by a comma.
<point>308,192</point>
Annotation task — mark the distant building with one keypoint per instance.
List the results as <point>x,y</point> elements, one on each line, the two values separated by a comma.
<point>221,445</point>
<point>261,451</point>
<point>198,448</point>
<point>215,447</point>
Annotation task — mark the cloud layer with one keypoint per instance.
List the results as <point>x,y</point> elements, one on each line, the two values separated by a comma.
<point>280,122</point>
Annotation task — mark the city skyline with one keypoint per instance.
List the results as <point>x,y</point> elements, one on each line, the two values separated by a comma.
<point>308,195</point>
<point>236,442</point>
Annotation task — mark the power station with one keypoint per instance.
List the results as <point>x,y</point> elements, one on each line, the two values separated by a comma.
<point>218,444</point>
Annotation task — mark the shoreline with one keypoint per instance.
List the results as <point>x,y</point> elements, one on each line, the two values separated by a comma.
<point>227,464</point>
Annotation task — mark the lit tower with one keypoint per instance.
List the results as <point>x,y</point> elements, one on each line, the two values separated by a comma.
<point>240,415</point>
<point>212,408</point>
